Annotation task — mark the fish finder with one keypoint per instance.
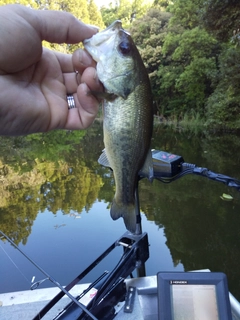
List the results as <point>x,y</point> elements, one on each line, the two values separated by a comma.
<point>193,296</point>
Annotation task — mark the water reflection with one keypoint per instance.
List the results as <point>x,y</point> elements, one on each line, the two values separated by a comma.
<point>46,181</point>
<point>33,185</point>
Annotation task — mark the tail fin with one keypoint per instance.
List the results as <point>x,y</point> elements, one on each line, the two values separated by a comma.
<point>127,212</point>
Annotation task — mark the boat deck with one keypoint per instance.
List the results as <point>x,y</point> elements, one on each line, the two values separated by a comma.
<point>26,304</point>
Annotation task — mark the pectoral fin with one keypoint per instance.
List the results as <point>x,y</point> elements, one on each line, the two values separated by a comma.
<point>147,169</point>
<point>103,159</point>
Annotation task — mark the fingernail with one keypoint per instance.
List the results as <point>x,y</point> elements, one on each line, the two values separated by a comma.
<point>95,77</point>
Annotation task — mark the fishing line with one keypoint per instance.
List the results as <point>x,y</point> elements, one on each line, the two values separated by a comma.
<point>50,278</point>
<point>15,264</point>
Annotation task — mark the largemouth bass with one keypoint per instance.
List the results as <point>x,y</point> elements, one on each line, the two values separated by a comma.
<point>128,115</point>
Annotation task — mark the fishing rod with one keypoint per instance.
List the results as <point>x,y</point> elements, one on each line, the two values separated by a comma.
<point>110,285</point>
<point>36,284</point>
<point>170,167</point>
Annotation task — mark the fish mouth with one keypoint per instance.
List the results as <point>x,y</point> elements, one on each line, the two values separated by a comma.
<point>101,42</point>
<point>103,36</point>
<point>115,25</point>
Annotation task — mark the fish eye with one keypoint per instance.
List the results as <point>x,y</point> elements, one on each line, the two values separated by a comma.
<point>125,47</point>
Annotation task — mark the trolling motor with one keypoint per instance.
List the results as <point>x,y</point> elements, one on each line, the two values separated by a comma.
<point>170,167</point>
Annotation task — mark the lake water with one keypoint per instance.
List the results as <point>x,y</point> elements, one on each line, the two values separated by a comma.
<point>54,204</point>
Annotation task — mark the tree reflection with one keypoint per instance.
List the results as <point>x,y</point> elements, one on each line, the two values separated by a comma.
<point>41,172</point>
<point>202,231</point>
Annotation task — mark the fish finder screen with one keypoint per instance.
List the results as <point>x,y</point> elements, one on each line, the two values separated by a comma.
<point>194,302</point>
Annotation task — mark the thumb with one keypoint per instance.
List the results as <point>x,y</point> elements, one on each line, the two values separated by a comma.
<point>62,27</point>
<point>22,30</point>
<point>50,25</point>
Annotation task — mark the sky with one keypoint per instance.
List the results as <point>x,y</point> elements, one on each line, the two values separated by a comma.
<point>100,3</point>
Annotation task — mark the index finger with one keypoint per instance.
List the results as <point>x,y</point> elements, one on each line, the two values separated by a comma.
<point>81,60</point>
<point>78,61</point>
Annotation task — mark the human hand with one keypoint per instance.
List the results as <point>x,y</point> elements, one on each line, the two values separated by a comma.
<point>34,81</point>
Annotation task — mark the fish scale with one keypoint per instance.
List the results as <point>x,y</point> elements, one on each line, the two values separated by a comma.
<point>128,115</point>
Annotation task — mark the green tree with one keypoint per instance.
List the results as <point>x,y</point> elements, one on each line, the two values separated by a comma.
<point>186,13</point>
<point>181,62</point>
<point>30,3</point>
<point>149,34</point>
<point>196,52</point>
<point>125,10</point>
<point>223,105</point>
<point>109,14</point>
<point>162,4</point>
<point>95,16</point>
<point>221,18</point>
<point>79,8</point>
<point>218,79</point>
